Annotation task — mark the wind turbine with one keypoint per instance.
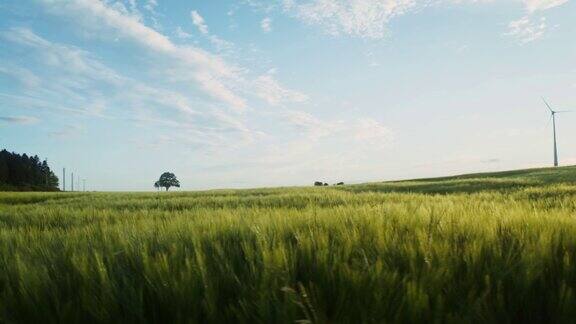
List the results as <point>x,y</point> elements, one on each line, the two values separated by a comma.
<point>553,116</point>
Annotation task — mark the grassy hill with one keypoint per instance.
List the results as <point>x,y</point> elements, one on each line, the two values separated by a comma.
<point>476,182</point>
<point>494,247</point>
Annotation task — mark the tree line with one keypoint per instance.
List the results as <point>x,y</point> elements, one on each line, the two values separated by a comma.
<point>23,173</point>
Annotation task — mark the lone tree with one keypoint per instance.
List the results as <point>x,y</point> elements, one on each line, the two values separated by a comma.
<point>167,180</point>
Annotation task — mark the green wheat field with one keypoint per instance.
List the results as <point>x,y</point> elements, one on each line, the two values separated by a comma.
<point>481,248</point>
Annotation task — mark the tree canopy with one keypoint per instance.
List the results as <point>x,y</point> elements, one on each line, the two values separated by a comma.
<point>167,180</point>
<point>23,172</point>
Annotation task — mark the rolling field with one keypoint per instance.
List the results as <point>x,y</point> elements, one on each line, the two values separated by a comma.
<point>479,248</point>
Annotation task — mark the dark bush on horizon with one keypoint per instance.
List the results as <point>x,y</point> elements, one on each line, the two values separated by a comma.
<point>25,173</point>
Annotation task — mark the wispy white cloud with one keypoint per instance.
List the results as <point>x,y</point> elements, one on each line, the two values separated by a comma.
<point>266,24</point>
<point>526,30</point>
<point>211,70</point>
<point>322,148</point>
<point>199,22</point>
<point>23,75</point>
<point>22,120</point>
<point>359,131</point>
<point>313,127</point>
<point>39,100</point>
<point>530,28</point>
<point>180,33</point>
<point>372,132</point>
<point>369,19</point>
<point>358,18</point>
<point>214,76</point>
<point>151,5</point>
<point>270,90</point>
<point>67,131</point>
<point>75,88</point>
<point>68,72</point>
<point>539,5</point>
<point>67,59</point>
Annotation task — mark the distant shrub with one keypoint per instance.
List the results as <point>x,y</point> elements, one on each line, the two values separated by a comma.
<point>167,180</point>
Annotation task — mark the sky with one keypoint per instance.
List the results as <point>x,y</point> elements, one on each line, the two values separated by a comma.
<point>254,93</point>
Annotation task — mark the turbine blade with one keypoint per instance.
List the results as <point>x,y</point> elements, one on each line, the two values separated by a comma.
<point>547,105</point>
<point>563,111</point>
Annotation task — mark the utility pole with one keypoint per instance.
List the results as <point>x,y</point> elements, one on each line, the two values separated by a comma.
<point>64,179</point>
<point>72,178</point>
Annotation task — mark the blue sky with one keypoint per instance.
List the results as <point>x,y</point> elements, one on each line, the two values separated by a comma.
<point>268,93</point>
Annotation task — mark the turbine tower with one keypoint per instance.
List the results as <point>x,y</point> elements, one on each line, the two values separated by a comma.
<point>553,116</point>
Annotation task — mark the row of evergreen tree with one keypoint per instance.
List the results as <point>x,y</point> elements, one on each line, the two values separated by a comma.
<point>23,172</point>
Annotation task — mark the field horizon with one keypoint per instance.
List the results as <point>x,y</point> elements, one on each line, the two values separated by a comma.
<point>484,174</point>
<point>541,173</point>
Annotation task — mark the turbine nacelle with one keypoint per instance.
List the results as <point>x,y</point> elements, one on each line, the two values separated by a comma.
<point>552,111</point>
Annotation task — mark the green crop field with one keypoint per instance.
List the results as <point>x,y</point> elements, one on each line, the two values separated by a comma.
<point>479,248</point>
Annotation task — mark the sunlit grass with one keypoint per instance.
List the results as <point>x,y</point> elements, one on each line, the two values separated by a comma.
<point>467,249</point>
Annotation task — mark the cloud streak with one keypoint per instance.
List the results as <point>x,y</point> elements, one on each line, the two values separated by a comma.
<point>21,120</point>
<point>198,21</point>
<point>210,71</point>
<point>540,5</point>
<point>270,90</point>
<point>526,30</point>
<point>217,78</point>
<point>73,81</point>
<point>359,131</point>
<point>266,24</point>
<point>369,19</point>
<point>357,18</point>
